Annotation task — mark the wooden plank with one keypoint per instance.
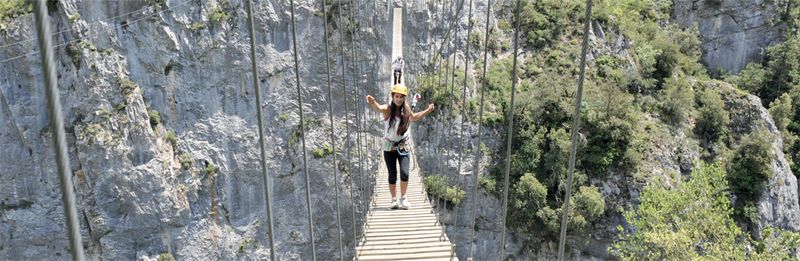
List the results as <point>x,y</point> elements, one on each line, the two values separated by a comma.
<point>389,241</point>
<point>397,222</point>
<point>438,250</point>
<point>432,232</point>
<point>387,245</point>
<point>407,256</point>
<point>430,227</point>
<point>371,240</point>
<point>400,211</point>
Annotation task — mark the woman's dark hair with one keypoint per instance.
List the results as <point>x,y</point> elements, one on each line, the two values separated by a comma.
<point>404,112</point>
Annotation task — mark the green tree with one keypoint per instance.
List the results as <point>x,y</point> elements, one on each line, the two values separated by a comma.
<point>555,157</point>
<point>546,20</point>
<point>688,222</point>
<point>712,121</point>
<point>498,89</point>
<point>784,111</point>
<point>783,64</point>
<point>529,194</point>
<point>677,100</point>
<point>589,202</point>
<point>752,78</point>
<point>749,170</point>
<point>587,207</point>
<point>692,220</point>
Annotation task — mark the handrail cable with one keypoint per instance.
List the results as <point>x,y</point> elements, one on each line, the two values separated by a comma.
<point>576,123</point>
<point>347,128</point>
<point>303,134</point>
<point>478,155</point>
<point>463,110</point>
<point>333,136</point>
<point>357,107</point>
<point>59,136</point>
<point>262,145</point>
<point>510,133</point>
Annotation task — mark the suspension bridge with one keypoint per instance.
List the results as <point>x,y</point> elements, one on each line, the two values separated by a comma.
<point>413,234</point>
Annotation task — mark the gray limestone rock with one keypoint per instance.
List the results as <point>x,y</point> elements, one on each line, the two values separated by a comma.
<point>733,33</point>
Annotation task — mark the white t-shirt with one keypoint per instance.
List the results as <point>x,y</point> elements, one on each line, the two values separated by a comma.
<point>390,136</point>
<point>398,64</point>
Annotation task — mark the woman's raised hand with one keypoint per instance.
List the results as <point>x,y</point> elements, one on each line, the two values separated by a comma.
<point>370,99</point>
<point>430,107</point>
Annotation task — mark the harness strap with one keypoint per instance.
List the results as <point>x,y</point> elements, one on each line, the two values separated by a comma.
<point>396,143</point>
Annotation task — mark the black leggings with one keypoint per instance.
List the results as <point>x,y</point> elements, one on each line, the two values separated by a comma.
<point>397,75</point>
<point>391,158</point>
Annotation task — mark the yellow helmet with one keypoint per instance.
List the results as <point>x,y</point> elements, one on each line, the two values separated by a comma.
<point>401,89</point>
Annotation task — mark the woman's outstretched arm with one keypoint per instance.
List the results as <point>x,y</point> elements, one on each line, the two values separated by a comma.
<point>419,115</point>
<point>377,106</point>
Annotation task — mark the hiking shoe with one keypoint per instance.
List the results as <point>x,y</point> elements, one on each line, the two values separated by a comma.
<point>394,204</point>
<point>404,204</point>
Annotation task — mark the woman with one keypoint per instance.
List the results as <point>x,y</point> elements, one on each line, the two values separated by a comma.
<point>397,116</point>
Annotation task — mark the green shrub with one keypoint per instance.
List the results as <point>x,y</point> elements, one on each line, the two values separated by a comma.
<point>74,17</point>
<point>323,151</point>
<point>610,117</point>
<point>749,170</point>
<point>712,119</point>
<point>498,89</point>
<point>197,26</point>
<point>751,79</point>
<point>155,118</point>
<point>778,244</point>
<point>784,111</point>
<point>283,117</point>
<point>692,220</point>
<point>442,94</point>
<point>437,186</point>
<point>126,85</point>
<point>588,207</point>
<point>549,218</point>
<point>667,57</point>
<point>504,25</point>
<point>488,183</point>
<point>13,8</point>
<point>526,150</point>
<point>186,160</point>
<point>475,39</point>
<point>589,202</point>
<point>555,156</point>
<point>220,13</point>
<point>172,138</point>
<point>165,257</point>
<point>210,169</point>
<point>494,40</point>
<point>783,65</point>
<point>74,52</point>
<point>677,100</point>
<point>454,195</point>
<point>529,194</point>
<point>545,21</point>
<point>87,45</point>
<point>687,222</point>
<point>608,145</point>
